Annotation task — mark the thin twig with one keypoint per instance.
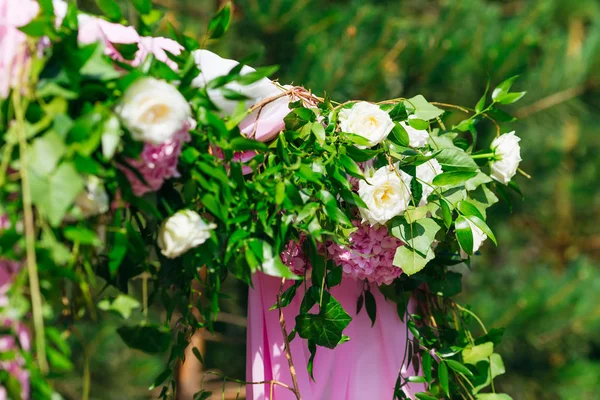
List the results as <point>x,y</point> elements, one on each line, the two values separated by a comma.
<point>288,352</point>
<point>551,101</point>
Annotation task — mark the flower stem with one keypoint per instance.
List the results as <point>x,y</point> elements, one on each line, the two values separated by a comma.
<point>484,155</point>
<point>34,282</point>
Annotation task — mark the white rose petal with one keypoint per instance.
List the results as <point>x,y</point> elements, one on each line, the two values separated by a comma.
<point>94,199</point>
<point>153,110</point>
<point>416,138</point>
<point>478,239</point>
<point>508,153</point>
<point>386,194</point>
<point>426,172</point>
<point>183,231</point>
<point>366,120</point>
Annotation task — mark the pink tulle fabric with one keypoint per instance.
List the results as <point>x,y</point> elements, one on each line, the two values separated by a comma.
<point>369,256</point>
<point>364,368</point>
<point>156,163</point>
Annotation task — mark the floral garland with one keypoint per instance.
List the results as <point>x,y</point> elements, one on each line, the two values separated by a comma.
<point>126,155</point>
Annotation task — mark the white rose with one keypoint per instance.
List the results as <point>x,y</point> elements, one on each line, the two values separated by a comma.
<point>416,138</point>
<point>386,194</point>
<point>507,154</point>
<point>183,231</point>
<point>94,199</point>
<point>425,173</point>
<point>478,239</point>
<point>366,120</point>
<point>153,110</point>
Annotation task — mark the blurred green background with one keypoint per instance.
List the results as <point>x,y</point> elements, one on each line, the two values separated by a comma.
<point>543,283</point>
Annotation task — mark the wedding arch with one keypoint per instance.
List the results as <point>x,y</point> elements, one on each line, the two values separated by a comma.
<point>127,156</point>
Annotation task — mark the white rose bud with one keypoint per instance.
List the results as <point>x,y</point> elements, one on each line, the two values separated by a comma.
<point>426,172</point>
<point>478,239</point>
<point>416,138</point>
<point>153,110</point>
<point>93,200</point>
<point>507,154</point>
<point>386,194</point>
<point>183,231</point>
<point>366,120</point>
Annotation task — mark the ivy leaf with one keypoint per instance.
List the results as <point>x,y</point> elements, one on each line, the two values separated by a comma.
<point>324,329</point>
<point>474,354</point>
<point>220,22</point>
<point>464,234</point>
<point>398,113</point>
<point>422,109</point>
<point>410,261</point>
<point>122,305</point>
<point>418,235</point>
<point>148,338</point>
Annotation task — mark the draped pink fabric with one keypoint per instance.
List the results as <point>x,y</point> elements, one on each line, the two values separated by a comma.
<point>364,368</point>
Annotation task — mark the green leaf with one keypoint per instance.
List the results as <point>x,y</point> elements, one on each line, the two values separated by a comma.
<point>410,261</point>
<point>456,159</point>
<point>418,235</point>
<point>453,178</point>
<point>468,209</point>
<point>111,136</point>
<point>324,329</point>
<point>400,135</point>
<point>351,167</point>
<point>449,285</point>
<point>509,98</point>
<point>481,103</point>
<point>426,363</point>
<point>503,87</point>
<point>97,67</point>
<point>418,124</point>
<point>416,379</point>
<point>500,116</point>
<point>464,234</point>
<point>220,22</point>
<point>82,235</point>
<point>54,196</point>
<point>143,6</point>
<point>477,180</point>
<point>148,338</point>
<point>243,144</point>
<point>474,354</point>
<point>319,131</point>
<point>443,377</point>
<point>422,109</point>
<point>117,252</point>
<point>398,113</point>
<point>262,259</point>
<point>46,152</point>
<point>458,367</point>
<point>122,305</point>
<point>425,396</point>
<point>493,396</point>
<point>446,213</point>
<point>260,73</point>
<point>38,27</point>
<point>110,8</point>
<point>160,379</point>
<point>371,306</point>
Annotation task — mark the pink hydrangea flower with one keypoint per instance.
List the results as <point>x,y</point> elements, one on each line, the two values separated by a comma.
<point>370,255</point>
<point>156,163</point>
<point>294,257</point>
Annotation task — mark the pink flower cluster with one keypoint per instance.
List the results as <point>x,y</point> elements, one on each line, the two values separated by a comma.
<point>156,163</point>
<point>20,339</point>
<point>370,255</point>
<point>294,257</point>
